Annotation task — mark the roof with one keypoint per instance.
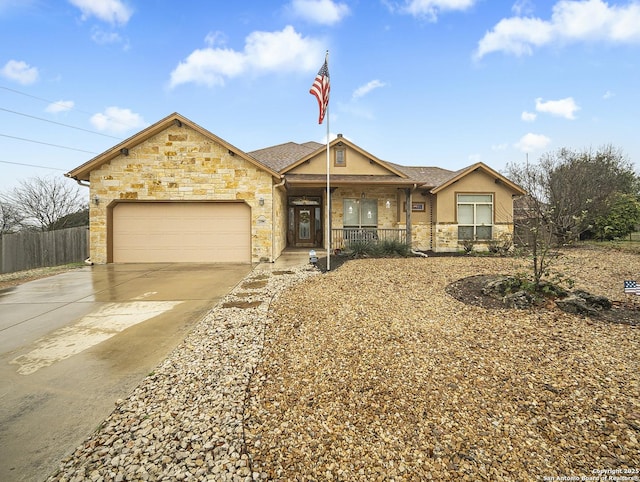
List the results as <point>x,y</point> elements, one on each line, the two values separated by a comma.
<point>278,160</point>
<point>81,173</point>
<point>346,179</point>
<point>427,176</point>
<point>475,167</point>
<point>342,141</point>
<point>283,155</point>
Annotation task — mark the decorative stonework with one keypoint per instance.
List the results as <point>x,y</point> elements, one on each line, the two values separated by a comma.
<point>180,164</point>
<point>446,237</point>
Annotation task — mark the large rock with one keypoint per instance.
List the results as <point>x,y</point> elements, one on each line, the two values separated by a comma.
<point>581,302</point>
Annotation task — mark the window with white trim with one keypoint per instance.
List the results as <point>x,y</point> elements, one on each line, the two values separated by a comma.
<point>475,216</point>
<point>360,213</point>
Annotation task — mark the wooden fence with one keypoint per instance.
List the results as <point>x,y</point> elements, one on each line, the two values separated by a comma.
<point>27,250</point>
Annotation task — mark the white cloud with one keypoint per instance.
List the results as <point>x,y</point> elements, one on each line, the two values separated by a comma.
<point>366,88</point>
<point>562,108</point>
<point>280,51</point>
<point>111,11</point>
<point>60,106</point>
<point>325,12</point>
<point>528,116</point>
<point>117,120</point>
<point>499,147</point>
<point>215,38</point>
<point>522,7</point>
<point>571,21</point>
<point>430,9</point>
<point>20,72</point>
<point>532,142</point>
<point>608,94</point>
<point>103,37</point>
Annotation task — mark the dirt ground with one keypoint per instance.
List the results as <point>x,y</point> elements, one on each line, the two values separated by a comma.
<point>374,372</point>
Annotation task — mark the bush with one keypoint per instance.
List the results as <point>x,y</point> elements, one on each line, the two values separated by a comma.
<point>381,249</point>
<point>502,245</point>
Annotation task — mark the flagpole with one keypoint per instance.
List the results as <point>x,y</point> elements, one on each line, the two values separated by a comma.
<point>328,217</point>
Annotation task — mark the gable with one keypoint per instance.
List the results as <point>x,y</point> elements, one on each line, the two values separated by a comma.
<point>178,158</point>
<point>345,158</point>
<point>183,131</point>
<point>489,175</point>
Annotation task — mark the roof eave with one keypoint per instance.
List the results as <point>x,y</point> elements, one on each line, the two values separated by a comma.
<point>82,172</point>
<point>484,167</point>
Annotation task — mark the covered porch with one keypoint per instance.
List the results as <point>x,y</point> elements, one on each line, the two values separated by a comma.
<point>363,209</point>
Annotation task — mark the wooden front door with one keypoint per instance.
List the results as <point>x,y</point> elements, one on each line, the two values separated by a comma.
<point>305,222</point>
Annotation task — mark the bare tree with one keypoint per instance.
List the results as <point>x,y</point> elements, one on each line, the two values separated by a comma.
<point>568,193</point>
<point>10,219</point>
<point>44,203</point>
<point>535,218</point>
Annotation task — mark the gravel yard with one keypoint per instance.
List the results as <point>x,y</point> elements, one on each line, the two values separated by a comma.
<point>373,372</point>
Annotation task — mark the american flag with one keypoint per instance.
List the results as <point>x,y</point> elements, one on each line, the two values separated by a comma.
<point>320,89</point>
<point>631,287</point>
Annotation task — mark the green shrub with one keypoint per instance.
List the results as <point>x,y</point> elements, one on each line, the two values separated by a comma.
<point>381,249</point>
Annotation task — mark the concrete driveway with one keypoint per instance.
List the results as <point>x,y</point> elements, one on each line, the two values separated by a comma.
<point>72,344</point>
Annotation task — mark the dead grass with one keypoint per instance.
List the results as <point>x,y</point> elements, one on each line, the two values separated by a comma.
<point>16,278</point>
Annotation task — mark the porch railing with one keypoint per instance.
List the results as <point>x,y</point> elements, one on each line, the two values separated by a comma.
<point>342,237</point>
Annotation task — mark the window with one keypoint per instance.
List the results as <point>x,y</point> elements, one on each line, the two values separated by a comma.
<point>340,158</point>
<point>475,216</point>
<point>360,213</point>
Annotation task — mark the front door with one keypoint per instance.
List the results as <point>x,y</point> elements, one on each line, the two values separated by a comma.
<point>305,225</point>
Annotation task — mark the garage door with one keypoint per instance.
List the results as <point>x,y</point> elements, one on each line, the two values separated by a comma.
<point>181,232</point>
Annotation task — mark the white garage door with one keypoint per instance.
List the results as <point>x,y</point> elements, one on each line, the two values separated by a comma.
<point>181,232</point>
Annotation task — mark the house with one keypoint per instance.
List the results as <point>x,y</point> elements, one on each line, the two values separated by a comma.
<point>175,192</point>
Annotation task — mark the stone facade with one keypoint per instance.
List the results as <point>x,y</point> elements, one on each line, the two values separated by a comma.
<point>446,237</point>
<point>181,164</point>
<point>178,161</point>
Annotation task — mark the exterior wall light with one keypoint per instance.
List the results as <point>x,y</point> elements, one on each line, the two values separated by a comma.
<point>96,200</point>
<point>261,201</point>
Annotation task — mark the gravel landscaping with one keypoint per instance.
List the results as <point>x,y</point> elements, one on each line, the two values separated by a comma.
<point>373,372</point>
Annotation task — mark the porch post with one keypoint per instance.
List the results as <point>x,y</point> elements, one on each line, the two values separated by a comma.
<point>408,201</point>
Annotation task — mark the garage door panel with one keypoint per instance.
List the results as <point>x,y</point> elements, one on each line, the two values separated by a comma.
<point>181,232</point>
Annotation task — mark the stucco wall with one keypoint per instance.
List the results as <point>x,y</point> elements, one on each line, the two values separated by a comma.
<point>356,163</point>
<point>445,236</point>
<point>183,165</point>
<point>475,182</point>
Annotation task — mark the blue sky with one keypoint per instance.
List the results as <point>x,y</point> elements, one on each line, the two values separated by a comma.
<point>418,82</point>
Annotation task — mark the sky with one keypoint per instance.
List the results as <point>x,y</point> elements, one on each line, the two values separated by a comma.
<point>444,83</point>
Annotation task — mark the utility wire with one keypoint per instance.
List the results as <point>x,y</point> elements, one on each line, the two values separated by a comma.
<point>32,165</point>
<point>42,100</point>
<point>59,123</point>
<point>60,104</point>
<point>47,144</point>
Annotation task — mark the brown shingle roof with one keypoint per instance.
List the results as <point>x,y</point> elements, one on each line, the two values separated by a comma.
<point>429,176</point>
<point>283,155</point>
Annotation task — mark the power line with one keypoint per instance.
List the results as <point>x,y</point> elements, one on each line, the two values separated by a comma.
<point>59,123</point>
<point>47,144</point>
<point>32,165</point>
<point>43,100</point>
<point>61,104</point>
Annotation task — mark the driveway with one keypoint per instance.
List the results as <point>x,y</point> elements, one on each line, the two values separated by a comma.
<point>72,344</point>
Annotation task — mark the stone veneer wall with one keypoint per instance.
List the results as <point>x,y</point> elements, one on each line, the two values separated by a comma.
<point>446,237</point>
<point>180,164</point>
<point>386,216</point>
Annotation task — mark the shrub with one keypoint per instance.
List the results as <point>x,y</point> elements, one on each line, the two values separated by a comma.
<point>381,249</point>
